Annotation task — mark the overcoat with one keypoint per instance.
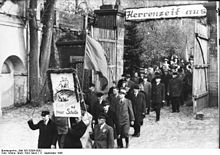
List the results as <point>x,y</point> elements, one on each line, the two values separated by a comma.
<point>175,87</point>
<point>139,106</point>
<point>47,133</point>
<point>158,94</point>
<point>103,138</point>
<point>111,120</point>
<point>114,100</point>
<point>124,114</point>
<point>98,109</point>
<point>90,100</point>
<point>165,80</point>
<point>72,139</point>
<point>147,90</point>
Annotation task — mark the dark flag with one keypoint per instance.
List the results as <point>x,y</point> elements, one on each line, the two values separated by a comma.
<point>95,59</point>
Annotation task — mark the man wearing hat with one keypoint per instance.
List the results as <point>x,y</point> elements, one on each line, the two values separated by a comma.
<point>75,132</point>
<point>135,78</point>
<point>103,134</point>
<point>166,76</point>
<point>166,65</point>
<point>158,96</point>
<point>174,91</point>
<point>47,130</point>
<point>110,116</point>
<point>91,98</point>
<point>98,108</point>
<point>130,83</point>
<point>124,117</point>
<point>139,107</point>
<point>147,90</point>
<point>121,80</point>
<point>114,99</point>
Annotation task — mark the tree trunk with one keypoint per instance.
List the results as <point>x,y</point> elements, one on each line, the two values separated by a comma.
<point>34,54</point>
<point>46,43</point>
<point>45,48</point>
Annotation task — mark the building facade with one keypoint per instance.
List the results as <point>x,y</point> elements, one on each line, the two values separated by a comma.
<point>13,54</point>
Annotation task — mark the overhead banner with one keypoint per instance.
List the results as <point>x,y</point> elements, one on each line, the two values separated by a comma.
<point>166,12</point>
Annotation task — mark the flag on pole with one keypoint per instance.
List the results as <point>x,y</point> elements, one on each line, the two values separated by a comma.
<point>95,59</point>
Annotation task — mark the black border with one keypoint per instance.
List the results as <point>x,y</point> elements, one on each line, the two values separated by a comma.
<point>62,70</point>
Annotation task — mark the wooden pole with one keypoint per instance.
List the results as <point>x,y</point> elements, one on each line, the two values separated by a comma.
<point>218,57</point>
<point>69,124</point>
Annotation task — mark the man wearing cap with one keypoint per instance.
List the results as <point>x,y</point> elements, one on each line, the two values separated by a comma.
<point>165,80</point>
<point>47,131</point>
<point>139,107</point>
<point>91,98</point>
<point>109,115</point>
<point>129,82</point>
<point>103,134</point>
<point>75,132</point>
<point>124,117</point>
<point>158,96</point>
<point>174,91</point>
<point>114,99</point>
<point>135,78</point>
<point>147,90</point>
<point>121,81</point>
<point>110,92</point>
<point>98,108</point>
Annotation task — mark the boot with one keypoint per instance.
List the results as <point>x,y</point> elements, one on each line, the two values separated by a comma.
<point>127,142</point>
<point>119,143</point>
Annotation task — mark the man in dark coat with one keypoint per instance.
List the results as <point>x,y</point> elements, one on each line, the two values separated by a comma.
<point>103,134</point>
<point>135,78</point>
<point>110,116</point>
<point>110,92</point>
<point>174,91</point>
<point>165,80</point>
<point>124,117</point>
<point>130,84</point>
<point>147,90</point>
<point>98,108</point>
<point>62,128</point>
<point>139,107</point>
<point>158,96</point>
<point>77,130</point>
<point>114,99</point>
<point>123,79</point>
<point>47,131</point>
<point>91,98</point>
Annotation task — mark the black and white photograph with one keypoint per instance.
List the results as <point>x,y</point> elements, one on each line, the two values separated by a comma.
<point>109,74</point>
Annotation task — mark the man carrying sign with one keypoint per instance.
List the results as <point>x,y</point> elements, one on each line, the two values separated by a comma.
<point>77,130</point>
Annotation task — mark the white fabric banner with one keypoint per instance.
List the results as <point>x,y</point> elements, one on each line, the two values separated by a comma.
<point>62,81</point>
<point>66,104</point>
<point>166,12</point>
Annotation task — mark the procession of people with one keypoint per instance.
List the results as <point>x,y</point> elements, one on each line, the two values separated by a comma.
<point>128,102</point>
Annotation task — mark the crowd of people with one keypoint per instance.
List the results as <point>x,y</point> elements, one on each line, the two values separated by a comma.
<point>128,102</point>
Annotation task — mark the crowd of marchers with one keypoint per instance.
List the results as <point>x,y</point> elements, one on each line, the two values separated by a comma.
<point>110,116</point>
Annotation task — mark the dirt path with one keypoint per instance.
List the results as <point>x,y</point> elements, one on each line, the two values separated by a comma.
<point>175,130</point>
<point>179,130</point>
